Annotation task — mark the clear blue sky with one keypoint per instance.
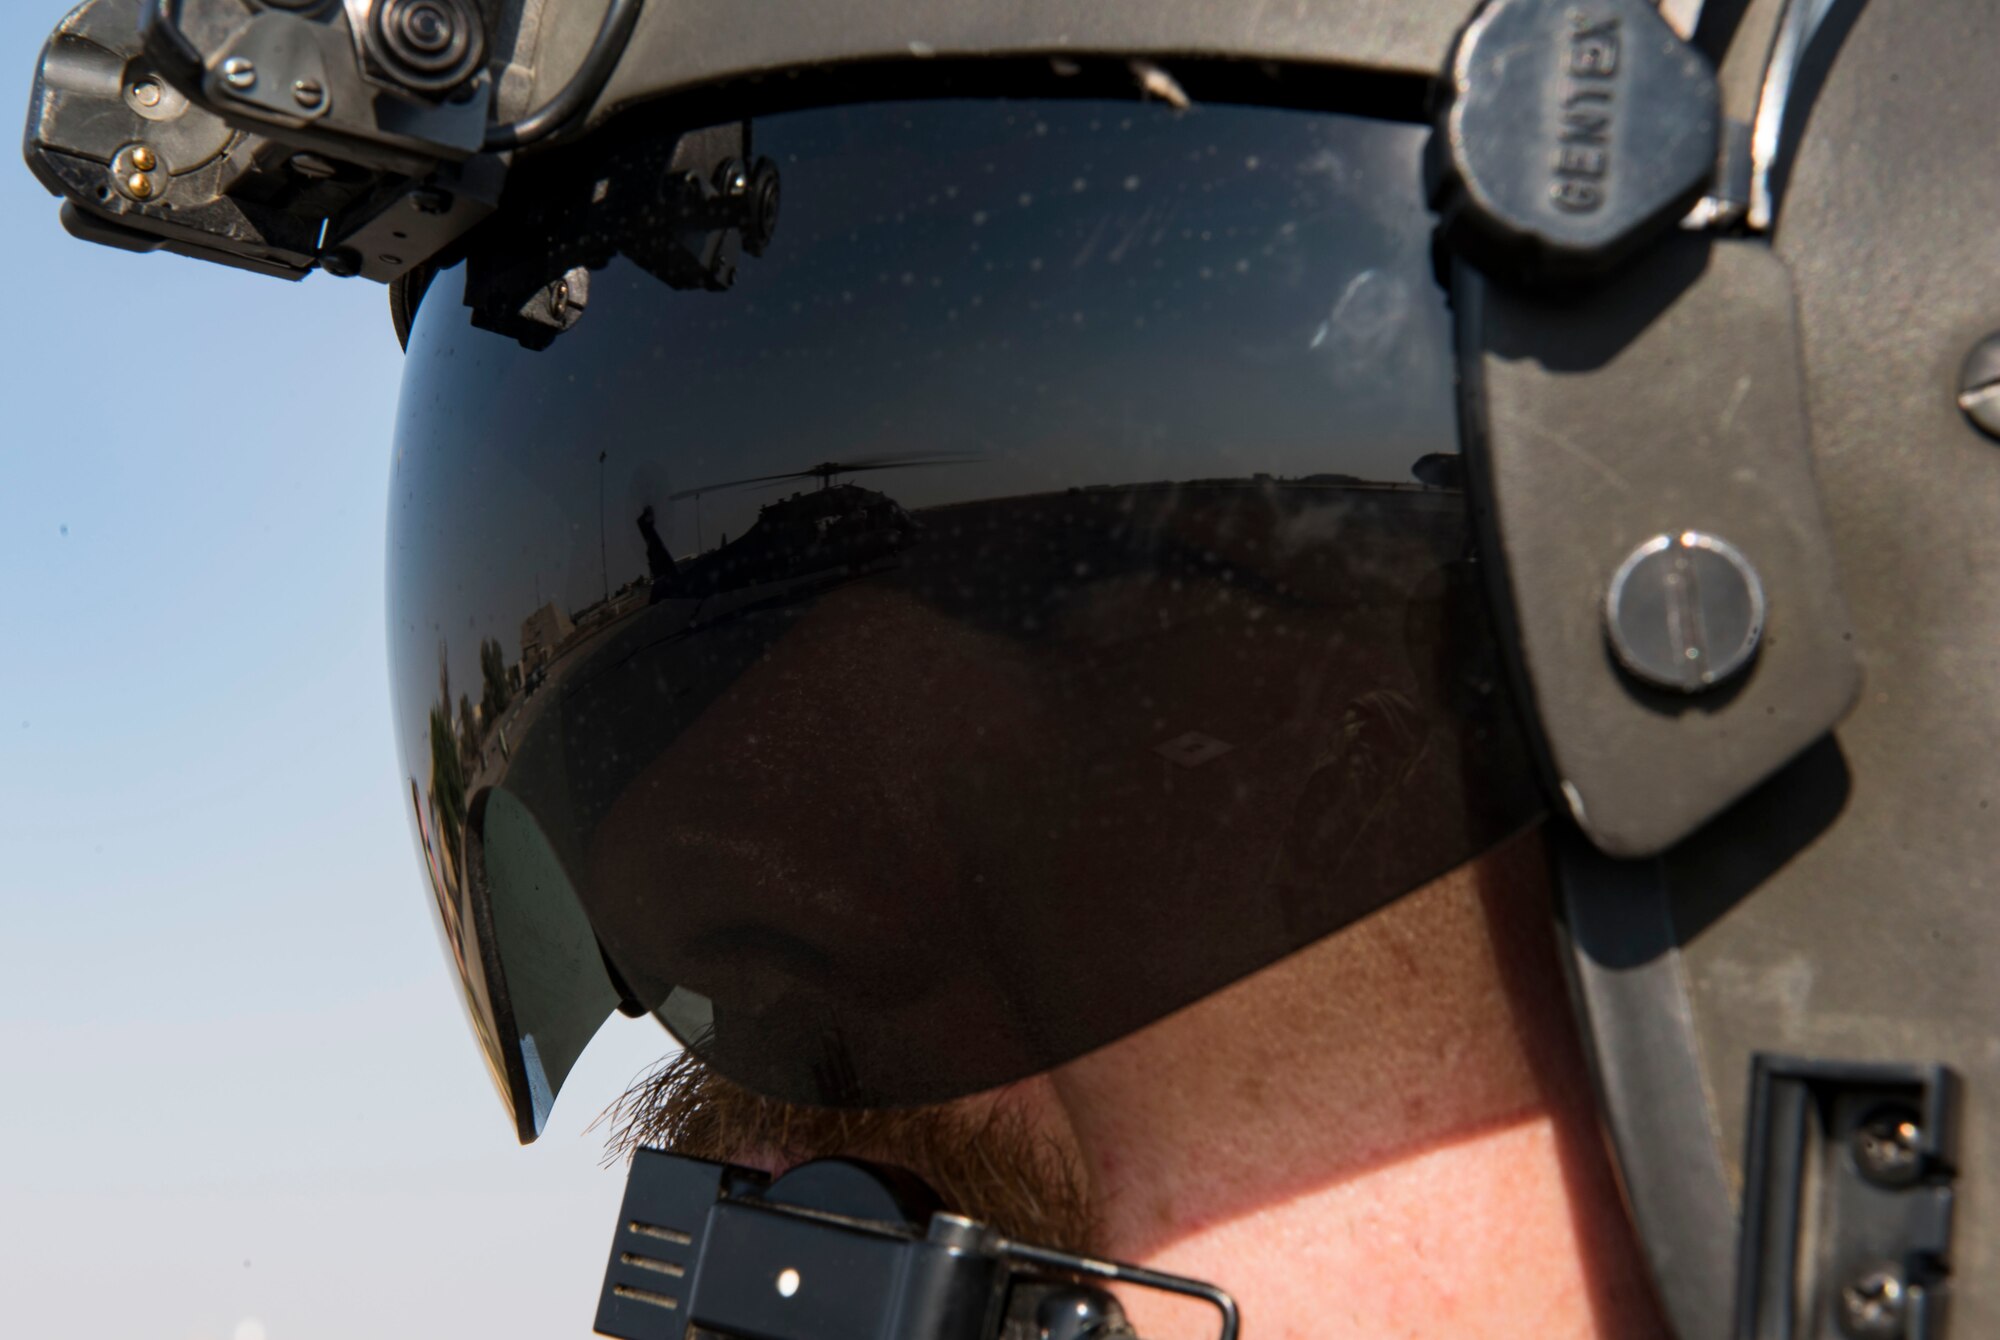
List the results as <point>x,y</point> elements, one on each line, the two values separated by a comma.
<point>239,1098</point>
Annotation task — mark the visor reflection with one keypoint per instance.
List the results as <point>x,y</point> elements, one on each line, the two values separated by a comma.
<point>1033,594</point>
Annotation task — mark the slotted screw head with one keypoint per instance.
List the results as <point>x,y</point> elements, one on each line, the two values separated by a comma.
<point>239,73</point>
<point>1979,386</point>
<point>1684,612</point>
<point>1885,1147</point>
<point>1872,1305</point>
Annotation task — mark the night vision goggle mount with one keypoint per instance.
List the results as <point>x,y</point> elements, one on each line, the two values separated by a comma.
<point>360,137</point>
<point>838,1250</point>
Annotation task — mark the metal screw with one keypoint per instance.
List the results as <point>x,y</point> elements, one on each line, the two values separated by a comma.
<point>140,185</point>
<point>239,73</point>
<point>1872,1304</point>
<point>143,159</point>
<point>1979,386</point>
<point>1684,612</point>
<point>1885,1147</point>
<point>562,302</point>
<point>340,262</point>
<point>1079,1314</point>
<point>146,93</point>
<point>308,93</point>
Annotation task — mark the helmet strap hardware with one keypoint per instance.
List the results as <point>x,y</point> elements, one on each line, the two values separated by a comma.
<point>839,1249</point>
<point>1847,1200</point>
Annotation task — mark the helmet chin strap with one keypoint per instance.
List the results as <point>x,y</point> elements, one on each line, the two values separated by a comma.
<point>841,1250</point>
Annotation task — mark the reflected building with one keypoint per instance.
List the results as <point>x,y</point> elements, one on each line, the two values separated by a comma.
<point>627,599</point>
<point>542,636</point>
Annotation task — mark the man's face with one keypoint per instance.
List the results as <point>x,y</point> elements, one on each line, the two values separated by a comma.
<point>916,808</point>
<point>1103,651</point>
<point>1386,1133</point>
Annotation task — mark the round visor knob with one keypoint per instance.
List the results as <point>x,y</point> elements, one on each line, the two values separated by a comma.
<point>1571,133</point>
<point>1684,612</point>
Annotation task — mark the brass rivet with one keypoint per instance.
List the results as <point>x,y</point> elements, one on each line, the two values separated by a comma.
<point>140,185</point>
<point>142,158</point>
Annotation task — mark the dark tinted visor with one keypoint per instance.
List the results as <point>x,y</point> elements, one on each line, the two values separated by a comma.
<point>1018,594</point>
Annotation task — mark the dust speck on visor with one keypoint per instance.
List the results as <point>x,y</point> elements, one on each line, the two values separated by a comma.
<point>1025,592</point>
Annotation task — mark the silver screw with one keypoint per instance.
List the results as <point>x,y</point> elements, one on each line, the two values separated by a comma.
<point>1872,1305</point>
<point>1979,386</point>
<point>1885,1147</point>
<point>562,302</point>
<point>146,93</point>
<point>308,93</point>
<point>239,73</point>
<point>1684,612</point>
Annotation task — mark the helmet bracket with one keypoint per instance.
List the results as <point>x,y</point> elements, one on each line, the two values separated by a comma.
<point>838,1250</point>
<point>1663,402</point>
<point>684,207</point>
<point>1847,1200</point>
<point>264,145</point>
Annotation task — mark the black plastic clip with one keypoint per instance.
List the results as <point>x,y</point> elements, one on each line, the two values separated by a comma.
<point>837,1250</point>
<point>1847,1200</point>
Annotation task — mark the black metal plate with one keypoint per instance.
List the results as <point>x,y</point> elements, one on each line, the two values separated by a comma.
<point>1668,399</point>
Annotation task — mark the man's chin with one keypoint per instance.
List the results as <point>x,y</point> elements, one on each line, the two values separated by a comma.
<point>990,1157</point>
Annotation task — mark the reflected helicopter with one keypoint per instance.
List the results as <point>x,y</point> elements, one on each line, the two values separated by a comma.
<point>837,530</point>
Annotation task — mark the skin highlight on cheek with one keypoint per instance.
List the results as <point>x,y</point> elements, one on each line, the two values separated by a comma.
<point>1480,1238</point>
<point>1390,1133</point>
